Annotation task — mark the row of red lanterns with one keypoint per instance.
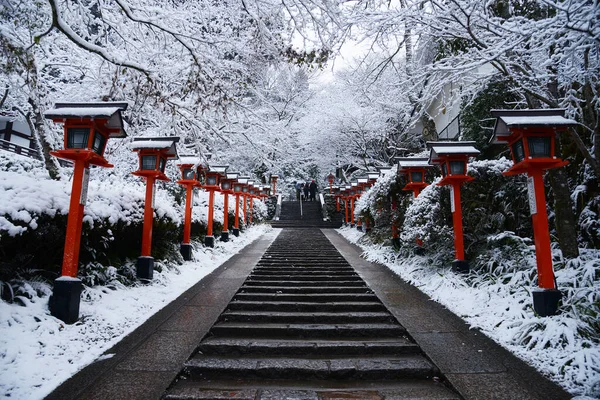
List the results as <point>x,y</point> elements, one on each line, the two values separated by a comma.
<point>87,128</point>
<point>530,135</point>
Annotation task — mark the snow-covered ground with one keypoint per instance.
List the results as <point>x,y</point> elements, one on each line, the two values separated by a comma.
<point>38,351</point>
<point>502,311</point>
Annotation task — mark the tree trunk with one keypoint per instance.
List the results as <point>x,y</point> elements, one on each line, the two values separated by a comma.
<point>566,228</point>
<point>36,125</point>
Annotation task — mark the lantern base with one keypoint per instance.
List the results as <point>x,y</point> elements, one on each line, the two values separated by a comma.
<point>396,243</point>
<point>186,251</point>
<point>145,268</point>
<point>65,299</point>
<point>460,266</point>
<point>236,232</point>
<point>225,236</point>
<point>545,301</point>
<point>209,241</point>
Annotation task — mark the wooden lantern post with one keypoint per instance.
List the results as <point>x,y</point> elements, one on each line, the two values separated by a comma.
<point>346,190</point>
<point>360,188</point>
<point>238,186</point>
<point>87,128</point>
<point>530,134</point>
<point>413,168</point>
<point>211,185</point>
<point>331,179</point>
<point>353,187</point>
<point>244,180</point>
<point>337,190</point>
<point>227,189</point>
<point>188,180</point>
<point>452,158</point>
<point>251,192</point>
<point>153,153</point>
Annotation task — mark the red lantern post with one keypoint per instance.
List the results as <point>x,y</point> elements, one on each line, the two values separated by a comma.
<point>211,185</point>
<point>452,158</point>
<point>87,128</point>
<point>413,168</point>
<point>238,186</point>
<point>331,179</point>
<point>227,189</point>
<point>274,183</point>
<point>153,153</point>
<point>189,181</point>
<point>530,134</point>
<point>251,195</point>
<point>360,187</point>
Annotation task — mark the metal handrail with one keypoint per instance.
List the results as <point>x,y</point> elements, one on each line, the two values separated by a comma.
<point>278,208</point>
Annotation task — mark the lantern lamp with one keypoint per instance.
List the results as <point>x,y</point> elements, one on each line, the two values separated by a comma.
<point>153,153</point>
<point>414,169</point>
<point>87,128</point>
<point>274,179</point>
<point>188,180</point>
<point>530,135</point>
<point>212,183</point>
<point>452,157</point>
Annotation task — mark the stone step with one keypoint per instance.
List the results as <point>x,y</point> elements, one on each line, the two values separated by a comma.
<point>305,289</point>
<point>288,277</point>
<point>279,389</point>
<point>312,317</point>
<point>304,306</point>
<point>291,272</point>
<point>271,270</point>
<point>261,282</point>
<point>309,297</point>
<point>299,330</point>
<point>399,367</point>
<point>218,346</point>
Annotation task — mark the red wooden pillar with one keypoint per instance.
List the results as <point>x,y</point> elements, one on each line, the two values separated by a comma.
<point>74,222</point>
<point>211,211</point>
<point>236,225</point>
<point>148,218</point>
<point>541,233</point>
<point>225,215</point>
<point>459,245</point>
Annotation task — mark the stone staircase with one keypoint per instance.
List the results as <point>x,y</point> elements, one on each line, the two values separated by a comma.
<point>311,216</point>
<point>305,326</point>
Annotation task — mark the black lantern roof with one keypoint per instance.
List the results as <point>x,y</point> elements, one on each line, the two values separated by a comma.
<point>509,119</point>
<point>447,149</point>
<point>110,110</point>
<point>157,143</point>
<point>413,162</point>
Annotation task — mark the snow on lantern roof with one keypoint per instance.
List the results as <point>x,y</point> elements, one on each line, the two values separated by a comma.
<point>243,179</point>
<point>110,110</point>
<point>159,143</point>
<point>362,179</point>
<point>414,162</point>
<point>188,160</point>
<point>221,169</point>
<point>451,148</point>
<point>233,175</point>
<point>507,119</point>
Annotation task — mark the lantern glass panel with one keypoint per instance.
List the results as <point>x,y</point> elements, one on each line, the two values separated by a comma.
<point>211,180</point>
<point>77,138</point>
<point>188,174</point>
<point>245,189</point>
<point>161,164</point>
<point>148,162</point>
<point>539,146</point>
<point>457,167</point>
<point>416,176</point>
<point>226,185</point>
<point>444,169</point>
<point>99,142</point>
<point>237,188</point>
<point>518,151</point>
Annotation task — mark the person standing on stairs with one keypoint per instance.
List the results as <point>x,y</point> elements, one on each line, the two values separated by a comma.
<point>298,187</point>
<point>313,190</point>
<point>306,191</point>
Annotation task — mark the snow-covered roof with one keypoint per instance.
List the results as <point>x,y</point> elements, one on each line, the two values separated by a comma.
<point>110,110</point>
<point>232,175</point>
<point>438,149</point>
<point>507,119</point>
<point>218,168</point>
<point>190,160</point>
<point>415,162</point>
<point>159,143</point>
